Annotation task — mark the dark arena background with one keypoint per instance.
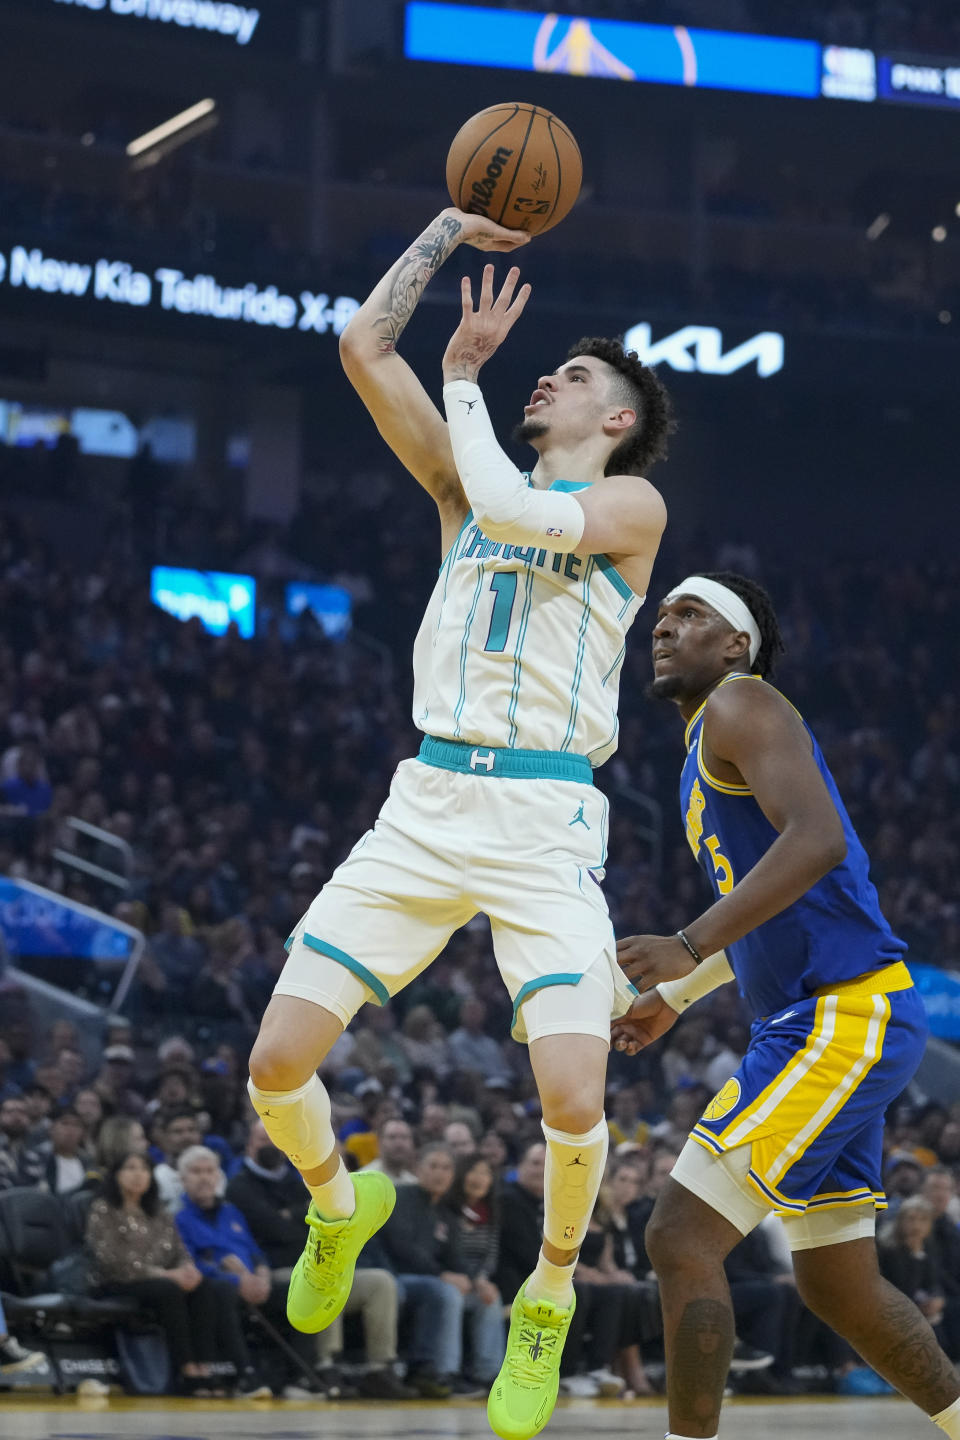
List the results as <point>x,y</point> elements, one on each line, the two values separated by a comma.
<point>212,570</point>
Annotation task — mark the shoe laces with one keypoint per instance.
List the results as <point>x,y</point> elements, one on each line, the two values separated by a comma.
<point>531,1357</point>
<point>326,1252</point>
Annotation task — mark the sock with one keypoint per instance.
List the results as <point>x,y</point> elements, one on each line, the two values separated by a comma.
<point>949,1420</point>
<point>574,1169</point>
<point>336,1198</point>
<point>551,1282</point>
<point>298,1123</point>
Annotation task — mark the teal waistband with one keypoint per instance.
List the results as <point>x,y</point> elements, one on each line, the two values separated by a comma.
<point>505,763</point>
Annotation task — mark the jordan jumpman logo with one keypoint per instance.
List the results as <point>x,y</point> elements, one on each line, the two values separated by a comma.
<point>469,404</point>
<point>578,818</point>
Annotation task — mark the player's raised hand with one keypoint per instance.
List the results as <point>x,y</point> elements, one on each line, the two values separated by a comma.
<point>648,959</point>
<point>648,1018</point>
<point>483,234</point>
<point>482,330</point>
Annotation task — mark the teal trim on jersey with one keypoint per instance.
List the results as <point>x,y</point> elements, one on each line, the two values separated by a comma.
<point>354,966</point>
<point>448,558</point>
<point>609,741</point>
<point>615,578</point>
<point>287,943</point>
<point>578,663</point>
<point>568,485</point>
<point>541,982</point>
<point>462,698</point>
<point>618,661</point>
<point>501,762</point>
<point>517,660</point>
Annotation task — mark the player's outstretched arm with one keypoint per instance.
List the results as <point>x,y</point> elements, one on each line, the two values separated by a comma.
<point>401,409</point>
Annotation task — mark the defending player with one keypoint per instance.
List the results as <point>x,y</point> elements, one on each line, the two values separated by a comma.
<point>516,670</point>
<point>838,1033</point>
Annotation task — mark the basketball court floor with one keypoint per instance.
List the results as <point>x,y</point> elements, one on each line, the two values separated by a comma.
<point>79,1419</point>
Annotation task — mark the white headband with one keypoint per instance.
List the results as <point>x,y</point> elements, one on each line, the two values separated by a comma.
<point>725,601</point>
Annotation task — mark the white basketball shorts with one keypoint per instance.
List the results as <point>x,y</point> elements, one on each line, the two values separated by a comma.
<point>518,835</point>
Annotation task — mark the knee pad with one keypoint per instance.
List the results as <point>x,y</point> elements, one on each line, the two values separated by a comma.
<point>297,1121</point>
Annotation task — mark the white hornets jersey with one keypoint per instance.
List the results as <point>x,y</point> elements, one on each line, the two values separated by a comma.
<point>522,647</point>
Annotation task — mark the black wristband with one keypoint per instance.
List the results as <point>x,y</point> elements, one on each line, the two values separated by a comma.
<point>690,947</point>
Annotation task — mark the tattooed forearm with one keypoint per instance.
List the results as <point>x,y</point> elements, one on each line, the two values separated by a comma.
<point>409,278</point>
<point>698,1361</point>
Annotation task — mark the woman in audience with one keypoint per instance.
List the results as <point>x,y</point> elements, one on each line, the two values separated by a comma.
<point>473,1199</point>
<point>137,1252</point>
<point>908,1261</point>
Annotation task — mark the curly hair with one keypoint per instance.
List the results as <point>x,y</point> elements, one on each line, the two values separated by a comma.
<point>760,605</point>
<point>640,387</point>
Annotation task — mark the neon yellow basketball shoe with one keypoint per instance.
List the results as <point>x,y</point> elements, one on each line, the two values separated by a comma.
<point>323,1276</point>
<point>525,1392</point>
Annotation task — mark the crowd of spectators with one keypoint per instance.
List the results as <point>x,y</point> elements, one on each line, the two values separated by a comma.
<point>239,773</point>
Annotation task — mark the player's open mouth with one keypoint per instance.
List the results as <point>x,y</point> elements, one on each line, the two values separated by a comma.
<point>662,655</point>
<point>538,398</point>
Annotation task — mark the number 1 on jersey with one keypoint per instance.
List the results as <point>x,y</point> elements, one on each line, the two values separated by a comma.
<point>503,583</point>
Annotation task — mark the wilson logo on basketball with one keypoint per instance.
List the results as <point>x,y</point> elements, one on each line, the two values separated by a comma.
<point>483,190</point>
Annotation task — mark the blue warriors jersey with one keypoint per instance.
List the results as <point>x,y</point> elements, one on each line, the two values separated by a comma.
<point>833,933</point>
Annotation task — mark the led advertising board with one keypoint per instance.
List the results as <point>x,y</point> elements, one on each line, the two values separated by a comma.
<point>618,50</point>
<point>215,599</point>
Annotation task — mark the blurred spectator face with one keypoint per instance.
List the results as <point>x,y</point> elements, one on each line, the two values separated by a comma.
<point>173,1090</point>
<point>421,1024</point>
<point>89,1107</point>
<point>949,1145</point>
<point>478,1182</point>
<point>905,1178</point>
<point>913,1224</point>
<point>459,1138</point>
<point>660,1169</point>
<point>530,1169</point>
<point>493,1149</point>
<point>473,1015</point>
<point>63,1036</point>
<point>133,1178</point>
<point>67,1134</point>
<point>626,1185</point>
<point>396,1145</point>
<point>179,1134</point>
<point>435,1172</point>
<point>939,1188</point>
<point>625,1108</point>
<point>433,1121</point>
<point>14,1119</point>
<point>201,1178</point>
<point>39,1103</point>
<point>71,1066</point>
<point>50,1079</point>
<point>28,763</point>
<point>690,1039</point>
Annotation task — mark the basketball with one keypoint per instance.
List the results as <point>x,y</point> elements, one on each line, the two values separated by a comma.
<point>517,164</point>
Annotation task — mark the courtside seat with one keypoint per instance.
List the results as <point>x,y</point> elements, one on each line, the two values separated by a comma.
<point>34,1234</point>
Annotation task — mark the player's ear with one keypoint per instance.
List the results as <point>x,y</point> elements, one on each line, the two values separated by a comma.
<point>620,420</point>
<point>738,647</point>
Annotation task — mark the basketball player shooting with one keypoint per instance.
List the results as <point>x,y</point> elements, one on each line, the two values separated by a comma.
<point>516,671</point>
<point>838,1031</point>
